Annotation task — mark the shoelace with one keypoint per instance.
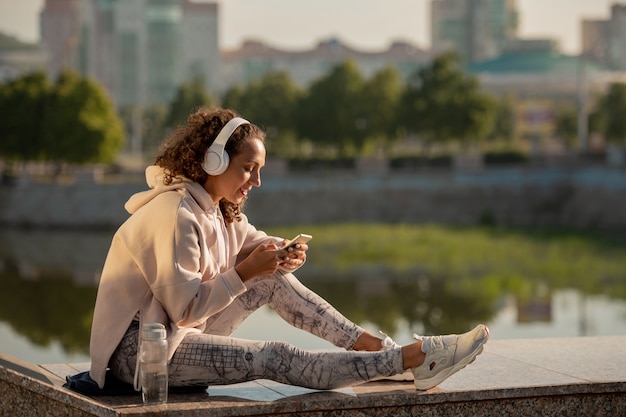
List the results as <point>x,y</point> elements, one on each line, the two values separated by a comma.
<point>432,342</point>
<point>436,342</point>
<point>388,343</point>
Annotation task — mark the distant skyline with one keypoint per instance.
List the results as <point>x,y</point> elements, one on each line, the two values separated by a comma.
<point>362,24</point>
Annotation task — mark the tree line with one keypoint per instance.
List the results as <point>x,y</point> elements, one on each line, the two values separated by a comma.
<point>69,121</point>
<point>341,114</point>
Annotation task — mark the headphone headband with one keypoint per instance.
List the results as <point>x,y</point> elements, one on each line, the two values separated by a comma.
<point>228,130</point>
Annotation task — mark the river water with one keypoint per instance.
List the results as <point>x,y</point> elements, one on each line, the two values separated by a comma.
<point>49,283</point>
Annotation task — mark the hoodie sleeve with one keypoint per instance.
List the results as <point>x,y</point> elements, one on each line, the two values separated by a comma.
<point>181,273</point>
<point>250,238</point>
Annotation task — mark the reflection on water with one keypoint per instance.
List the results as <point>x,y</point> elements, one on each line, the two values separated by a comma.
<point>49,287</point>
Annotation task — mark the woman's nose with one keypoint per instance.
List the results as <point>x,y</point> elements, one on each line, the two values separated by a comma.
<point>255,179</point>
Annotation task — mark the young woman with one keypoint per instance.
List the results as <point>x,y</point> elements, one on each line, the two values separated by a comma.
<point>188,258</point>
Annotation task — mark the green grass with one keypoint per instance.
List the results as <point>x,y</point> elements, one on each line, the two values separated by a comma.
<point>517,259</point>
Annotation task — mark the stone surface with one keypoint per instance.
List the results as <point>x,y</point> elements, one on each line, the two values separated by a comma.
<point>547,377</point>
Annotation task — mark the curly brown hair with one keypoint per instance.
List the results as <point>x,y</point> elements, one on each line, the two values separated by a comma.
<point>182,152</point>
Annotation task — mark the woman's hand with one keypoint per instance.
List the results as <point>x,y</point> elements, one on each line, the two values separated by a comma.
<point>263,260</point>
<point>266,259</point>
<point>295,256</point>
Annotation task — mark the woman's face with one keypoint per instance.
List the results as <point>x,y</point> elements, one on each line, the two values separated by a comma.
<point>243,173</point>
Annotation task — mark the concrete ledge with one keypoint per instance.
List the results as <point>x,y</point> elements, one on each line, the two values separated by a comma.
<point>548,377</point>
<point>590,197</point>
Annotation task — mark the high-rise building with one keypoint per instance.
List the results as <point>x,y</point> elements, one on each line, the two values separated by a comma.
<point>200,48</point>
<point>604,41</point>
<point>141,51</point>
<point>61,33</point>
<point>594,40</point>
<point>476,29</point>
<point>618,37</point>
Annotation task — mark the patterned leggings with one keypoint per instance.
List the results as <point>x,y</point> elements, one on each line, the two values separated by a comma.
<point>215,358</point>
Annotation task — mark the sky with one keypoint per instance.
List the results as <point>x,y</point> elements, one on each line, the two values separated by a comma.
<point>361,24</point>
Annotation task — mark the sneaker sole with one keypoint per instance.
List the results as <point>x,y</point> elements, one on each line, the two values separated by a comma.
<point>425,384</point>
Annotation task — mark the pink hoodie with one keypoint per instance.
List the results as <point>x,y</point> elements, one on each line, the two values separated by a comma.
<point>172,262</point>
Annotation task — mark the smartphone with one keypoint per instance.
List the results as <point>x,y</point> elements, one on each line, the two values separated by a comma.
<point>301,238</point>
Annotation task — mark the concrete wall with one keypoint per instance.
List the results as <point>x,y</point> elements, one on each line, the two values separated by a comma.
<point>590,197</point>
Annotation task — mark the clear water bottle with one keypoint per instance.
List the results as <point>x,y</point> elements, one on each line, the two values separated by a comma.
<point>153,364</point>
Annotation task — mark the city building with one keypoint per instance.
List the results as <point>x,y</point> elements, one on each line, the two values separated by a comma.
<point>603,41</point>
<point>19,58</point>
<point>254,59</point>
<point>141,51</point>
<point>60,22</point>
<point>529,74</point>
<point>540,80</point>
<point>476,29</point>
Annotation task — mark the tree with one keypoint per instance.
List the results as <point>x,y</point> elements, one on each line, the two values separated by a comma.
<point>71,121</point>
<point>80,124</point>
<point>270,102</point>
<point>612,108</point>
<point>443,103</point>
<point>566,124</point>
<point>145,127</point>
<point>329,113</point>
<point>22,103</point>
<point>234,98</point>
<point>503,127</point>
<point>153,126</point>
<point>189,97</point>
<point>379,102</point>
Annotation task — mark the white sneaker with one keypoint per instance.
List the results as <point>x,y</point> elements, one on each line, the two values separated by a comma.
<point>446,355</point>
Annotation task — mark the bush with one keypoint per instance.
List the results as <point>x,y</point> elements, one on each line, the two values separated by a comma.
<point>414,162</point>
<point>321,164</point>
<point>505,157</point>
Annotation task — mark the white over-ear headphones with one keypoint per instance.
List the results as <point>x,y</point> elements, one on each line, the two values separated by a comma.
<point>216,159</point>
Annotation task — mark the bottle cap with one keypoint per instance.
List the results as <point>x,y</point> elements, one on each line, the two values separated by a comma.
<point>153,331</point>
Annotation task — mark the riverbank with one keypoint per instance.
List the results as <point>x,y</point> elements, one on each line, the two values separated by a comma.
<point>585,197</point>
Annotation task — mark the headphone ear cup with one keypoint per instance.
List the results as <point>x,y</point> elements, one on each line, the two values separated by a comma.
<point>215,163</point>
<point>216,158</point>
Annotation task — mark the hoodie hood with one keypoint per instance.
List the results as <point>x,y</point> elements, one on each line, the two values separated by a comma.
<point>155,177</point>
